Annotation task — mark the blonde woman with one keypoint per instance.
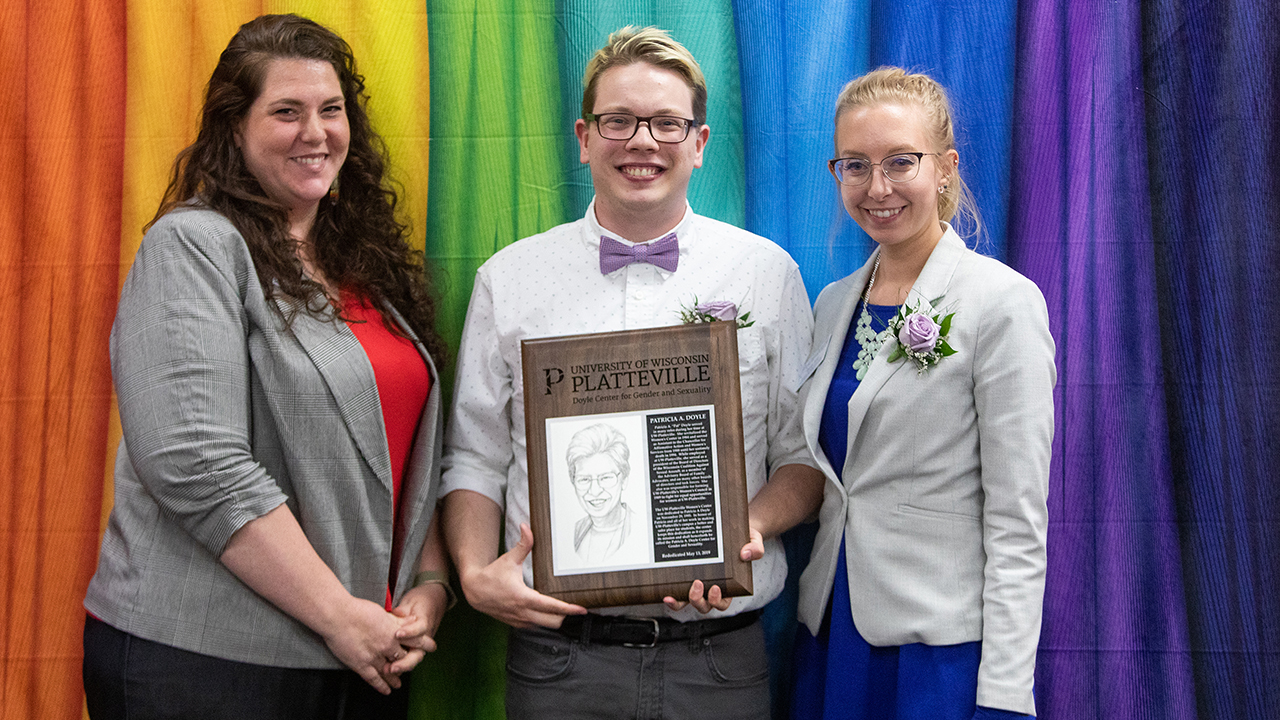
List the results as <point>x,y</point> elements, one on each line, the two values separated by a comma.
<point>931,414</point>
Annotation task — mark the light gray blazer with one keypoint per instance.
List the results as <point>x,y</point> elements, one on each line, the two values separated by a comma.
<point>943,506</point>
<point>227,413</point>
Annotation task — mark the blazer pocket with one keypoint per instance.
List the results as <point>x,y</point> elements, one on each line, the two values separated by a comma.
<point>941,558</point>
<point>939,514</point>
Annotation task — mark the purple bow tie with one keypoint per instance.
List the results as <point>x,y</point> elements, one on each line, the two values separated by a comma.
<point>663,252</point>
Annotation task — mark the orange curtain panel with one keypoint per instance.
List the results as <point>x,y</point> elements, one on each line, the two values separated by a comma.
<point>61,151</point>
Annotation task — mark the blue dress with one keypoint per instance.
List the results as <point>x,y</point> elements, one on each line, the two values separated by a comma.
<point>838,674</point>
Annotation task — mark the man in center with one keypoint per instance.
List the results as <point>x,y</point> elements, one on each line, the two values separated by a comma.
<point>637,259</point>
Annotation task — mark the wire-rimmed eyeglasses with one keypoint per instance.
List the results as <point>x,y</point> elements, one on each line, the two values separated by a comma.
<point>900,167</point>
<point>606,481</point>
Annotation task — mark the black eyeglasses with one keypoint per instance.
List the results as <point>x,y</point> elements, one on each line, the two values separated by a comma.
<point>623,126</point>
<point>902,167</point>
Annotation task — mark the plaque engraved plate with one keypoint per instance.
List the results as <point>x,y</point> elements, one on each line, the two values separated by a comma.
<point>637,483</point>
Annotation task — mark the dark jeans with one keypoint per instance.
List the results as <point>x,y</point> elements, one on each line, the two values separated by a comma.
<point>722,676</point>
<point>128,677</point>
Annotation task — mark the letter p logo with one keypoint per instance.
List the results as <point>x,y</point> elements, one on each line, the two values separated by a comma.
<point>554,375</point>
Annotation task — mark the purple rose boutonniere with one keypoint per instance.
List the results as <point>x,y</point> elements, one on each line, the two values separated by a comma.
<point>714,311</point>
<point>718,309</point>
<point>921,334</point>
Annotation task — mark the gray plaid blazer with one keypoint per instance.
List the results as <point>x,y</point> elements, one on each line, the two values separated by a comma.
<point>228,413</point>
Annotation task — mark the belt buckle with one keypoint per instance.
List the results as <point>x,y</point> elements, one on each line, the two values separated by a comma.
<point>651,643</point>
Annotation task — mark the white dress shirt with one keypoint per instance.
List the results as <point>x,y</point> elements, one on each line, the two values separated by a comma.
<point>550,284</point>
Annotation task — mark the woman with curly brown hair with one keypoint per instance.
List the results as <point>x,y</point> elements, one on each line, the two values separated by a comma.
<point>272,550</point>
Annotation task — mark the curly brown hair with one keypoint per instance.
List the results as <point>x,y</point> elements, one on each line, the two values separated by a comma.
<point>360,243</point>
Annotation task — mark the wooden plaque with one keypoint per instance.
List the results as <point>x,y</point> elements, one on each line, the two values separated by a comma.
<point>637,479</point>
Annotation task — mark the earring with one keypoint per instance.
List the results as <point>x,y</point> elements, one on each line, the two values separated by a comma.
<point>333,190</point>
<point>941,190</point>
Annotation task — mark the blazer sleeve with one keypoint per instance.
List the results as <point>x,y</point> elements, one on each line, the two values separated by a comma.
<point>182,372</point>
<point>1014,375</point>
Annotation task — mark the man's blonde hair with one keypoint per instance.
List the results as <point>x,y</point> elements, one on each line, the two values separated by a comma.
<point>651,45</point>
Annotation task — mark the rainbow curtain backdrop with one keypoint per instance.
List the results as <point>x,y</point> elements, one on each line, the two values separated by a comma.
<point>1123,156</point>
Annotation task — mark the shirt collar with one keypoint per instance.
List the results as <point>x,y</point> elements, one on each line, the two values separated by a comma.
<point>594,230</point>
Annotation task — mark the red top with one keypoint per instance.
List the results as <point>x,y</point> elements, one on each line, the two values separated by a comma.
<point>403,386</point>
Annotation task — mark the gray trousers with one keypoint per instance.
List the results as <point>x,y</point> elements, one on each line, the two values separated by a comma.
<point>551,676</point>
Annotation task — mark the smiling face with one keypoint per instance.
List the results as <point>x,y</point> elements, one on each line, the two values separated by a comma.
<point>294,136</point>
<point>641,184</point>
<point>901,215</point>
<point>598,483</point>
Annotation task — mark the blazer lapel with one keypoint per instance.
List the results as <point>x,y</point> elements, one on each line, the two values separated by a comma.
<point>936,275</point>
<point>413,491</point>
<point>878,373</point>
<point>931,285</point>
<point>337,354</point>
<point>835,333</point>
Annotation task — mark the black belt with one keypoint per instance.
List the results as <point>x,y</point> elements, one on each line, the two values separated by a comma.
<point>647,632</point>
